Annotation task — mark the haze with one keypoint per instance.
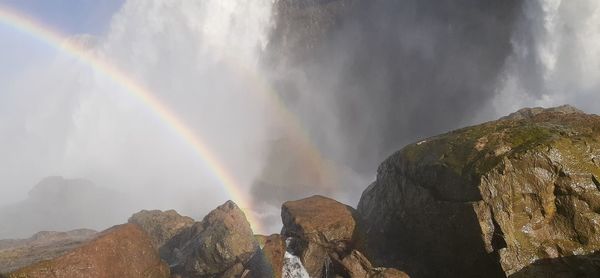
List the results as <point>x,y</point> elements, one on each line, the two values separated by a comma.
<point>352,91</point>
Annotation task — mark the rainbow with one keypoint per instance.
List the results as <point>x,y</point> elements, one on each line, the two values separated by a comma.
<point>54,39</point>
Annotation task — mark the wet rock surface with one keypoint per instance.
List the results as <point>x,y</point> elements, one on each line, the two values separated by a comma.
<point>490,200</point>
<point>121,251</point>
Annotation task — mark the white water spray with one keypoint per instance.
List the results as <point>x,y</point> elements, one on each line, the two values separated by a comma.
<point>292,266</point>
<point>556,57</point>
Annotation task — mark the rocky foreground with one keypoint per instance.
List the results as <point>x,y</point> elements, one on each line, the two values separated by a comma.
<point>517,197</point>
<point>319,239</point>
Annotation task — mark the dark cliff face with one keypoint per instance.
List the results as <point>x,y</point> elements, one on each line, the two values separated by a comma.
<point>490,199</point>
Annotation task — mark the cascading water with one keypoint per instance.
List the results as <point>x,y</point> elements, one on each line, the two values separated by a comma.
<point>556,56</point>
<point>292,266</point>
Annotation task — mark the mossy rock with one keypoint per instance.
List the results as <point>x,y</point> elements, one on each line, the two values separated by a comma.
<point>504,193</point>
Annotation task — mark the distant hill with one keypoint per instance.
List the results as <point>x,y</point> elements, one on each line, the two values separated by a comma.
<point>59,204</point>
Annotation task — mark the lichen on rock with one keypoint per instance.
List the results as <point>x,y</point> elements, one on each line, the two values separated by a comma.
<point>489,199</point>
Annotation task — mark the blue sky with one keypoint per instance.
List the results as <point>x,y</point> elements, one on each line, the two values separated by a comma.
<point>19,51</point>
<point>69,16</point>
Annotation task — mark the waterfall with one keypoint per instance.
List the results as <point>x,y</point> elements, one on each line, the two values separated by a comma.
<point>292,266</point>
<point>556,56</point>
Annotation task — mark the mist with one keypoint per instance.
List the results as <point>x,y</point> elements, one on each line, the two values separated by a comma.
<point>66,119</point>
<point>368,77</point>
<point>357,80</point>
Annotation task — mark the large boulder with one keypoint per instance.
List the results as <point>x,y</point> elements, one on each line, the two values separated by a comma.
<point>18,253</point>
<point>325,235</point>
<point>161,226</point>
<point>121,251</point>
<point>218,246</point>
<point>319,219</point>
<point>317,226</point>
<point>490,200</point>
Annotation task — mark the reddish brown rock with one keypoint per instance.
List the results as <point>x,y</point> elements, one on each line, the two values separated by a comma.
<point>355,264</point>
<point>318,226</point>
<point>274,251</point>
<point>121,251</point>
<point>18,253</point>
<point>318,219</point>
<point>268,262</point>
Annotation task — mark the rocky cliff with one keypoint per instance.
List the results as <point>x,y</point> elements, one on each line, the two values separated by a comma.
<point>517,196</point>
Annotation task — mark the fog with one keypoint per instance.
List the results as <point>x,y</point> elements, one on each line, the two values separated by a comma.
<point>294,97</point>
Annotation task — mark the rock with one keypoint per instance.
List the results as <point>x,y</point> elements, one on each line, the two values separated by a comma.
<point>268,262</point>
<point>356,264</point>
<point>528,113</point>
<point>161,226</point>
<point>564,267</point>
<point>319,219</point>
<point>214,246</point>
<point>121,251</point>
<point>261,240</point>
<point>388,273</point>
<point>233,272</point>
<point>323,233</point>
<point>274,251</point>
<point>489,200</point>
<point>318,225</point>
<point>353,265</point>
<point>18,253</point>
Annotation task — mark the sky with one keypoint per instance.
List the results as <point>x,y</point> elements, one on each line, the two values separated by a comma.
<point>289,108</point>
<point>68,16</point>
